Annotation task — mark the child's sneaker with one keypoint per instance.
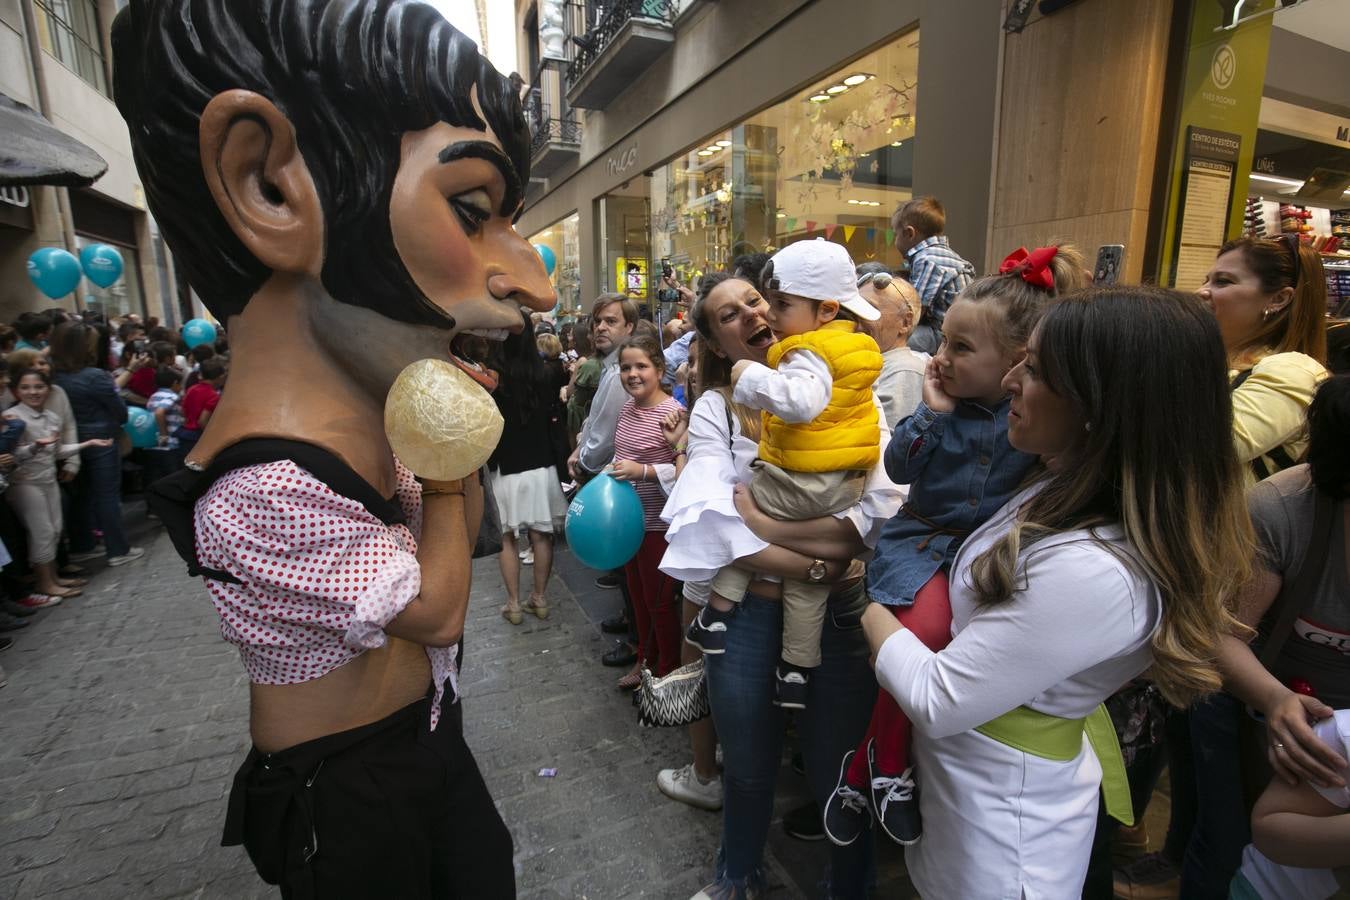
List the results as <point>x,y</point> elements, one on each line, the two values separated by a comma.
<point>791,689</point>
<point>710,637</point>
<point>895,802</point>
<point>846,810</point>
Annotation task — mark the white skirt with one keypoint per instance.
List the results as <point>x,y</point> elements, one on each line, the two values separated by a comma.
<point>532,499</point>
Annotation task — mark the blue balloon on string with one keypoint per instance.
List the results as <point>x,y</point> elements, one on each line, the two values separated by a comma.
<point>54,271</point>
<point>198,331</point>
<point>141,427</point>
<point>546,254</point>
<point>605,523</point>
<point>102,264</point>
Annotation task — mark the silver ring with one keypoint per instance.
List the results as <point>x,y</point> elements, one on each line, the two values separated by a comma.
<point>1279,746</point>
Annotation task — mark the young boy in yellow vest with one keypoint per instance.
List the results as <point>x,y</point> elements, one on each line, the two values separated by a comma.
<point>819,438</point>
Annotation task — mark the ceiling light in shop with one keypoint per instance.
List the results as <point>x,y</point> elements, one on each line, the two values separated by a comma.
<point>1287,182</point>
<point>723,143</point>
<point>782,215</point>
<point>705,153</point>
<point>835,89</point>
<point>863,155</point>
<point>897,143</point>
<point>819,98</point>
<point>856,78</point>
<point>854,202</point>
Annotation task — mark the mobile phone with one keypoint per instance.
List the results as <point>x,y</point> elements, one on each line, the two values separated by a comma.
<point>666,270</point>
<point>1107,269</point>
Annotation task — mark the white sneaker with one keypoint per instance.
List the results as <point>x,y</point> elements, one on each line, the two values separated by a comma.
<point>132,555</point>
<point>527,558</point>
<point>685,786</point>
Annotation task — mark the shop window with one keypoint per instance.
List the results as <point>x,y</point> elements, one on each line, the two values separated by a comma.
<point>832,161</point>
<point>561,239</point>
<point>125,295</point>
<point>69,30</point>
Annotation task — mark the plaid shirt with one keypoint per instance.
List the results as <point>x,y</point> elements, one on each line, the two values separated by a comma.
<point>938,274</point>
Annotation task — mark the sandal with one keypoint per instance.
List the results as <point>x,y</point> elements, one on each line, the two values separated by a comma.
<point>72,570</point>
<point>72,582</point>
<point>632,680</point>
<point>538,606</point>
<point>512,615</point>
<point>65,593</point>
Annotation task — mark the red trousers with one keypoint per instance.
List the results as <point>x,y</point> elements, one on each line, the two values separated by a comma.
<point>656,616</point>
<point>930,618</point>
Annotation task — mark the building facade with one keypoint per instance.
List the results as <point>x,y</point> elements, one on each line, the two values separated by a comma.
<point>55,57</point>
<point>685,133</point>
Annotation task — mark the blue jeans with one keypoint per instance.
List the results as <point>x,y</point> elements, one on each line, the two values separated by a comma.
<point>741,692</point>
<point>98,502</point>
<point>1222,823</point>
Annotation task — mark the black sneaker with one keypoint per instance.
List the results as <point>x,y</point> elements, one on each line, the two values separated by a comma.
<point>609,580</point>
<point>615,624</point>
<point>709,637</point>
<point>804,824</point>
<point>790,690</point>
<point>895,802</point>
<point>621,654</point>
<point>846,815</point>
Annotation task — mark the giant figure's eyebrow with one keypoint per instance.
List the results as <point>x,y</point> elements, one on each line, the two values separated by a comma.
<point>490,152</point>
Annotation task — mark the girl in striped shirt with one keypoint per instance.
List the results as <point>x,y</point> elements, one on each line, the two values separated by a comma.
<point>644,456</point>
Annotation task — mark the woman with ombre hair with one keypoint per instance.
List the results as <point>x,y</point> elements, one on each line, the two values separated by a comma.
<point>1122,558</point>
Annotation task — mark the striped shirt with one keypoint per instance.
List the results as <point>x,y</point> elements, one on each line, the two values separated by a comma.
<point>938,274</point>
<point>638,437</point>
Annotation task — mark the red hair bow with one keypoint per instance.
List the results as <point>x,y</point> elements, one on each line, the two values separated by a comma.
<point>1034,267</point>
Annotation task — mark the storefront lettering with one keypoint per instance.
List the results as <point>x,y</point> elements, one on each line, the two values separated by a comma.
<point>621,162</point>
<point>15,196</point>
<point>1343,133</point>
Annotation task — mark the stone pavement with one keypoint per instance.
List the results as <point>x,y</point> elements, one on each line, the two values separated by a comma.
<point>126,715</point>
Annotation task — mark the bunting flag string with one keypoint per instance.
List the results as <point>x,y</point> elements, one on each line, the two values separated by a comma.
<point>810,226</point>
<point>890,236</point>
<point>871,235</point>
<point>829,231</point>
<point>791,223</point>
<point>848,232</point>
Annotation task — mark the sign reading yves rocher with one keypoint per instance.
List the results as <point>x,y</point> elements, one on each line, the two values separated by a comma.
<point>1206,191</point>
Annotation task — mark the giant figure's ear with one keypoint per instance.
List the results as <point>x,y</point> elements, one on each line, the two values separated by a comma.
<point>253,166</point>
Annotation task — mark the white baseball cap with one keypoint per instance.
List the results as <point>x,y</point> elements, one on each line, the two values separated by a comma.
<point>820,270</point>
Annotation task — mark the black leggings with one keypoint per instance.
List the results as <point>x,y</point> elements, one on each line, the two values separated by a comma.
<point>389,809</point>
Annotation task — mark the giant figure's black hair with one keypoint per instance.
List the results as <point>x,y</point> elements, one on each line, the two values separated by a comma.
<point>353,76</point>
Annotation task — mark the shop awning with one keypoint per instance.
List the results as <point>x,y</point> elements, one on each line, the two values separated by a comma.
<point>34,151</point>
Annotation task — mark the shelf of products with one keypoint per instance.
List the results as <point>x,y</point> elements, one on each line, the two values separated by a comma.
<point>1325,230</point>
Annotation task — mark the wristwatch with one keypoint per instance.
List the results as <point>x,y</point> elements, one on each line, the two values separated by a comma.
<point>816,571</point>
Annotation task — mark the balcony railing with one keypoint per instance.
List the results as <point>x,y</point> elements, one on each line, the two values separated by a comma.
<point>555,128</point>
<point>621,37</point>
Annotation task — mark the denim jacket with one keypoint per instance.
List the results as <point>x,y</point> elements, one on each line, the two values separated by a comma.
<point>961,470</point>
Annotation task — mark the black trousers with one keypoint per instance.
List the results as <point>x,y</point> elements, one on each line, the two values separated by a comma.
<point>389,809</point>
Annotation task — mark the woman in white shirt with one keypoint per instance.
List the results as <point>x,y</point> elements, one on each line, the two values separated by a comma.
<point>1120,559</point>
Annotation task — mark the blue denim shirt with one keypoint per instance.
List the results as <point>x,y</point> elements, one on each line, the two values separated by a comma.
<point>961,470</point>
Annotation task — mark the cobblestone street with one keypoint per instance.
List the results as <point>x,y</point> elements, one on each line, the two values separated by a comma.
<point>126,715</point>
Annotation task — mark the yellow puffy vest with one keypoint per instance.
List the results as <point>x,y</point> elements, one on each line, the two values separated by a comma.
<point>844,436</point>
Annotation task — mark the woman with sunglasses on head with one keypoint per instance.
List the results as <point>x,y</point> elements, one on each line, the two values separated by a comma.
<point>1270,300</point>
<point>1268,297</point>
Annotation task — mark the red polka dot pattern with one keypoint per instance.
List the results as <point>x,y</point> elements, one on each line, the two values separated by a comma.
<point>321,576</point>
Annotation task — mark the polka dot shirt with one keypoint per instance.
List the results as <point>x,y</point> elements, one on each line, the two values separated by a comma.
<point>321,575</point>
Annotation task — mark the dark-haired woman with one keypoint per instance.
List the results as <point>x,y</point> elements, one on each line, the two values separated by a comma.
<point>1311,675</point>
<point>1270,300</point>
<point>77,352</point>
<point>707,531</point>
<point>522,474</point>
<point>1007,716</point>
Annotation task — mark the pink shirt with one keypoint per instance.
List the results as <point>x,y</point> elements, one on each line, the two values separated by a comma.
<point>321,575</point>
<point>638,437</point>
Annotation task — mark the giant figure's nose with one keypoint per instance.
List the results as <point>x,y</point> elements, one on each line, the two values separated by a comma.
<point>520,275</point>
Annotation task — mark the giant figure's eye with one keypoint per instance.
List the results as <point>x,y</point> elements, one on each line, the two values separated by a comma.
<point>473,208</point>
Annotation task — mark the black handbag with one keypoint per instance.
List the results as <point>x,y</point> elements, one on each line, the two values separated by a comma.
<point>489,542</point>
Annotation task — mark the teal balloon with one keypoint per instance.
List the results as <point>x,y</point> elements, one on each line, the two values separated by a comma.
<point>198,331</point>
<point>605,523</point>
<point>54,271</point>
<point>102,264</point>
<point>546,254</point>
<point>141,428</point>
